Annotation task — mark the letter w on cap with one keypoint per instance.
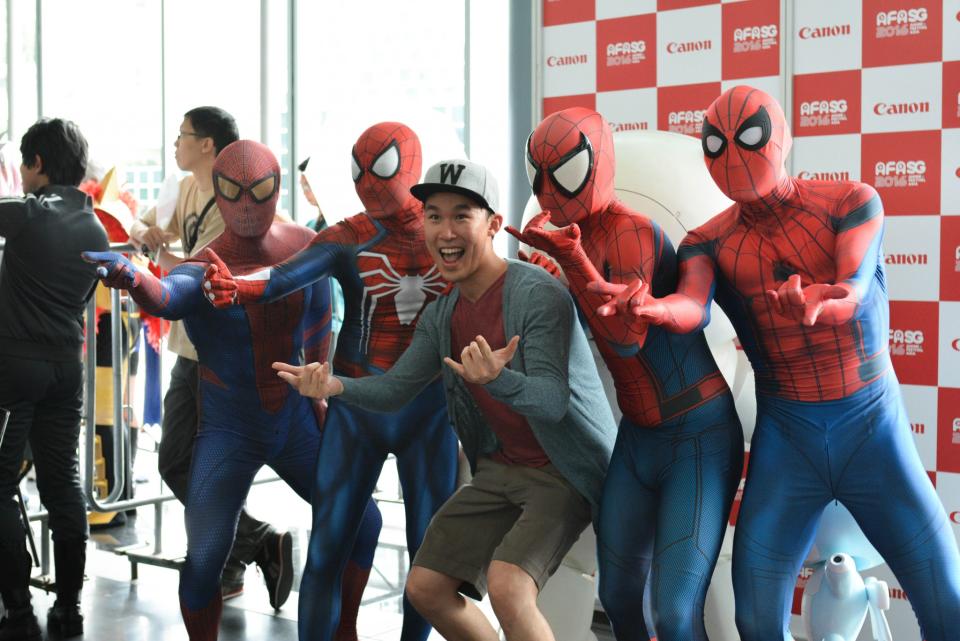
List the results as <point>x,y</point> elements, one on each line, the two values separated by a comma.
<point>450,174</point>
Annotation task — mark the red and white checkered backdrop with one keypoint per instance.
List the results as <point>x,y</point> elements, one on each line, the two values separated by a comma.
<point>875,97</point>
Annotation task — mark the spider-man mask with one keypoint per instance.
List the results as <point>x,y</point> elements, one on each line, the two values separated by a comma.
<point>570,164</point>
<point>386,163</point>
<point>745,143</point>
<point>246,182</point>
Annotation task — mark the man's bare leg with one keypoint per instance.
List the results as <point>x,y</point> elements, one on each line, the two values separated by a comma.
<point>513,594</point>
<point>435,596</point>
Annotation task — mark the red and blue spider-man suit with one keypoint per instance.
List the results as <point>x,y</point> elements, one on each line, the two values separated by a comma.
<point>247,417</point>
<point>677,460</point>
<point>381,262</point>
<point>796,266</point>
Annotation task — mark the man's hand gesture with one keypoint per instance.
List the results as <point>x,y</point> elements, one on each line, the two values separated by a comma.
<point>313,380</point>
<point>480,364</point>
<point>114,269</point>
<point>807,304</point>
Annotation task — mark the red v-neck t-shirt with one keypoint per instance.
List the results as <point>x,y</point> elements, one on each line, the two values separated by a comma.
<point>484,317</point>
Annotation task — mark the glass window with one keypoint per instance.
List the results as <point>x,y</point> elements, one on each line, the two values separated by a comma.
<point>405,65</point>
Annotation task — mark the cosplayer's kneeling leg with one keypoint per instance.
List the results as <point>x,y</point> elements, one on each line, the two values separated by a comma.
<point>686,474</point>
<point>905,521</point>
<point>346,521</point>
<point>427,467</point>
<point>625,544</point>
<point>784,496</point>
<point>224,465</point>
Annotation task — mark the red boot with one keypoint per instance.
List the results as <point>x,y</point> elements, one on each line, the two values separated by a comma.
<point>354,581</point>
<point>203,624</point>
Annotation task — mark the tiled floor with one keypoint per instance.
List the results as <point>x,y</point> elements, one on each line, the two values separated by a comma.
<point>117,609</point>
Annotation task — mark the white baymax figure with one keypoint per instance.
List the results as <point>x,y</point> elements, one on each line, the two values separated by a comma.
<point>837,599</point>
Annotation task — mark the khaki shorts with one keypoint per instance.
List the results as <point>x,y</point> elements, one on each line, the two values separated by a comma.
<point>526,516</point>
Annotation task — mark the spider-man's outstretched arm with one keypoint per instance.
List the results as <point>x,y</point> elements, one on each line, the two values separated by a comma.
<point>310,264</point>
<point>688,310</point>
<point>171,298</point>
<point>631,255</point>
<point>859,229</point>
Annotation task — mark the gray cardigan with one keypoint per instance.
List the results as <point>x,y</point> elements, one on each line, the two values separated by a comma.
<point>552,380</point>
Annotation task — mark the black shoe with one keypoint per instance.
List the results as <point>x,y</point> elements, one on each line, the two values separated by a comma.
<point>20,624</point>
<point>275,560</point>
<point>65,620</point>
<point>231,581</point>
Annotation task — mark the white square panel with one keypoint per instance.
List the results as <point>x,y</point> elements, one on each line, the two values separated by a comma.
<point>689,46</point>
<point>951,29</point>
<point>949,344</point>
<point>902,98</point>
<point>826,157</point>
<point>620,8</point>
<point>772,85</point>
<point>948,487</point>
<point>911,256</point>
<point>630,110</point>
<point>569,59</point>
<point>950,172</point>
<point>827,35</point>
<point>921,404</point>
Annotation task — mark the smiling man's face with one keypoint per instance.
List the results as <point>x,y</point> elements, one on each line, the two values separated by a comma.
<point>459,234</point>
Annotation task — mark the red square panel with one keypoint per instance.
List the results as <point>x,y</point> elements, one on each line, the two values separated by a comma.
<point>905,169</point>
<point>681,109</point>
<point>751,39</point>
<point>950,257</point>
<point>666,5</point>
<point>627,53</point>
<point>913,341</point>
<point>951,94</point>
<point>948,430</point>
<point>900,32</point>
<point>567,11</point>
<point>551,105</point>
<point>826,103</point>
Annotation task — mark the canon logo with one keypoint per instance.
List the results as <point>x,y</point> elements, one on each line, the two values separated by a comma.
<point>901,16</point>
<point>888,109</point>
<point>906,259</point>
<point>682,117</point>
<point>566,61</point>
<point>629,126</point>
<point>755,33</point>
<point>618,48</point>
<point>806,33</point>
<point>686,47</point>
<point>901,167</point>
<point>918,428</point>
<point>907,337</point>
<point>817,107</point>
<point>824,175</point>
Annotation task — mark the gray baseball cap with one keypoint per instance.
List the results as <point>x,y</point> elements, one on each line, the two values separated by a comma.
<point>459,176</point>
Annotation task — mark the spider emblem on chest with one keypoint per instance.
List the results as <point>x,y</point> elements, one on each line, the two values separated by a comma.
<point>409,292</point>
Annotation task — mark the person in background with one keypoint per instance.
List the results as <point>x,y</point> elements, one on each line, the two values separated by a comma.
<point>195,222</point>
<point>43,294</point>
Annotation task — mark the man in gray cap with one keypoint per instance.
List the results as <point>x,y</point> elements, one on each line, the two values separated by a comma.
<point>525,400</point>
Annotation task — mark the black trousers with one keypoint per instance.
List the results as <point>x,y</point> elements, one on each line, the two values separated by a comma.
<point>180,421</point>
<point>44,399</point>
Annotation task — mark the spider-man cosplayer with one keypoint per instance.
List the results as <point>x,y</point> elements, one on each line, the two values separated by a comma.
<point>380,259</point>
<point>679,450</point>
<point>796,266</point>
<point>248,419</point>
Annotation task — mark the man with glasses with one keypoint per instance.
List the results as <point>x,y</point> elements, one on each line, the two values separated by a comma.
<point>196,221</point>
